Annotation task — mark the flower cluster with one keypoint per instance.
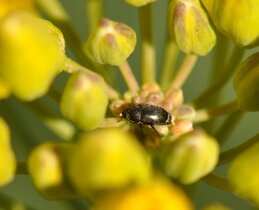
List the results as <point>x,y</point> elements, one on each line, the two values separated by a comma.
<point>144,161</point>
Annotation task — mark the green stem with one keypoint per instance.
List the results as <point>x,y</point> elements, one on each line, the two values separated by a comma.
<point>40,109</point>
<point>129,77</point>
<point>229,155</point>
<point>228,126</point>
<point>9,203</point>
<point>94,10</point>
<point>11,110</point>
<point>168,68</point>
<point>208,114</point>
<point>221,52</point>
<point>218,182</point>
<point>148,52</point>
<point>227,72</point>
<point>59,126</point>
<point>184,71</point>
<point>54,94</point>
<point>21,168</point>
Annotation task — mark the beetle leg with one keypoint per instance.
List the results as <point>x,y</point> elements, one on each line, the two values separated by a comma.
<point>119,120</point>
<point>141,128</point>
<point>155,130</point>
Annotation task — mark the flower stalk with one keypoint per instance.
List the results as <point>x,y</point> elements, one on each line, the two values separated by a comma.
<point>184,71</point>
<point>148,52</point>
<point>129,77</point>
<point>208,114</point>
<point>94,11</point>
<point>218,182</point>
<point>168,68</point>
<point>228,126</point>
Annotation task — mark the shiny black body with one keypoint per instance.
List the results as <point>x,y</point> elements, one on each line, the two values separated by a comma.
<point>146,114</point>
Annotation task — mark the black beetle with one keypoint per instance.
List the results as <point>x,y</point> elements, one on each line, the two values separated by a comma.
<point>146,114</point>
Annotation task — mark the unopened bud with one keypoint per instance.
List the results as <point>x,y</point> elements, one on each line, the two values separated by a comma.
<point>7,158</point>
<point>236,19</point>
<point>84,100</point>
<point>181,127</point>
<point>191,156</point>
<point>242,174</point>
<point>159,194</point>
<point>173,98</point>
<point>46,165</point>
<point>190,28</point>
<point>184,112</point>
<point>111,42</point>
<point>108,159</point>
<point>31,54</point>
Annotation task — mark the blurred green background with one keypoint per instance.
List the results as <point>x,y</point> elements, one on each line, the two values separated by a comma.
<point>25,124</point>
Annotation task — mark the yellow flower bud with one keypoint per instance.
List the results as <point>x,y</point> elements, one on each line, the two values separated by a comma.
<point>139,3</point>
<point>63,128</point>
<point>245,81</point>
<point>190,28</point>
<point>46,165</point>
<point>84,100</point>
<point>4,90</point>
<point>191,156</point>
<point>31,54</point>
<point>7,158</point>
<point>108,159</point>
<point>158,195</point>
<point>184,112</point>
<point>7,6</point>
<point>181,127</point>
<point>111,42</point>
<point>236,19</point>
<point>242,174</point>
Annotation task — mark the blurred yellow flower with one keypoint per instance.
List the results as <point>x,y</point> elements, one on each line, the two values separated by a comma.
<point>32,53</point>
<point>158,195</point>
<point>236,19</point>
<point>243,174</point>
<point>4,90</point>
<point>46,165</point>
<point>108,159</point>
<point>7,158</point>
<point>7,6</point>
